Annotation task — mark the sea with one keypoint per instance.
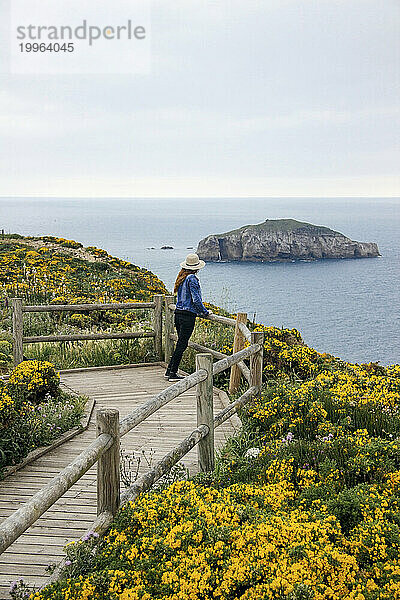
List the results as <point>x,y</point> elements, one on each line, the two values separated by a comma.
<point>349,308</point>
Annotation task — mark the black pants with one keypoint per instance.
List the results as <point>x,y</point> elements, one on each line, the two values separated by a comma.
<point>184,323</point>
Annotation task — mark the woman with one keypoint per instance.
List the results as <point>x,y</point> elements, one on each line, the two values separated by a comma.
<point>188,306</point>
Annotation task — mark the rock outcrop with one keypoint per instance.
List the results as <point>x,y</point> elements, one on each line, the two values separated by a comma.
<point>282,240</point>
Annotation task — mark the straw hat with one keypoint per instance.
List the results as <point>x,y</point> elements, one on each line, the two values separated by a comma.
<point>192,263</point>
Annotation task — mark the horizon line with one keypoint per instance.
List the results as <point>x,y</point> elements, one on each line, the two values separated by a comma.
<point>178,196</point>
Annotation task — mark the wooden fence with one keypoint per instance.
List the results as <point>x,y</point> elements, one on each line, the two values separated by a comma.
<point>105,448</point>
<point>18,310</point>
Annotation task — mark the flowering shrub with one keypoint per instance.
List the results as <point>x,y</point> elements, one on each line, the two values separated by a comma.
<point>79,320</point>
<point>62,241</point>
<point>33,425</point>
<point>201,543</point>
<point>304,504</point>
<point>19,590</point>
<point>80,555</point>
<point>33,380</point>
<point>61,271</point>
<point>7,406</point>
<point>286,354</point>
<point>332,402</point>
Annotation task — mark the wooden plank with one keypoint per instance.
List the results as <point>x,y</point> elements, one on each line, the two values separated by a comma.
<point>23,570</point>
<point>6,580</point>
<point>19,493</point>
<point>57,527</point>
<point>68,500</point>
<point>31,480</point>
<point>59,512</point>
<point>35,542</point>
<point>89,370</point>
<point>15,558</point>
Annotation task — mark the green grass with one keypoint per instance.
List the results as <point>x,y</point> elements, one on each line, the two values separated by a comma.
<point>283,225</point>
<point>97,353</point>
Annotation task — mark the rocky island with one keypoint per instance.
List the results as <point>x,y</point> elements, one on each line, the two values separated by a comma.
<point>282,240</point>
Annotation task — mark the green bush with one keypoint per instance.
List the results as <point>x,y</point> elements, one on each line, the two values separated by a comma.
<point>347,509</point>
<point>5,354</point>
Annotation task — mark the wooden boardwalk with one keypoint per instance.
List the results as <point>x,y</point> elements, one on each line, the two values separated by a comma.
<point>72,515</point>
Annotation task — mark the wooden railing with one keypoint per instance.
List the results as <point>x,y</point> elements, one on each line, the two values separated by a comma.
<point>105,448</point>
<point>242,334</point>
<point>18,310</point>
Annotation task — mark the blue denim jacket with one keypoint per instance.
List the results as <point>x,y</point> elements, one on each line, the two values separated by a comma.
<point>189,296</point>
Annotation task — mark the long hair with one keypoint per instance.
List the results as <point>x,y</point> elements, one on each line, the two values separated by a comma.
<point>183,273</point>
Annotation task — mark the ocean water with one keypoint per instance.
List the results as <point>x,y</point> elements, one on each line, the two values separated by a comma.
<point>349,308</point>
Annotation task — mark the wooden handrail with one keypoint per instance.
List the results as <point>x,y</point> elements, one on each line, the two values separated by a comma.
<point>143,484</point>
<point>231,409</point>
<point>228,360</point>
<point>23,518</point>
<point>19,521</point>
<point>18,310</point>
<point>200,348</point>
<point>87,307</point>
<point>234,359</point>
<point>15,525</point>
<point>212,317</point>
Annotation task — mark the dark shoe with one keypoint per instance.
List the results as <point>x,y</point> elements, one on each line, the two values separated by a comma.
<point>175,377</point>
<point>167,374</point>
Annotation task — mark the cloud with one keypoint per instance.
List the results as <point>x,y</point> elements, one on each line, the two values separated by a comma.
<point>252,93</point>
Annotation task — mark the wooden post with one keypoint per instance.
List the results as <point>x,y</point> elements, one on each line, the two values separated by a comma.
<point>169,329</point>
<point>205,413</point>
<point>256,360</point>
<point>157,326</point>
<point>108,476</point>
<point>18,347</point>
<point>238,344</point>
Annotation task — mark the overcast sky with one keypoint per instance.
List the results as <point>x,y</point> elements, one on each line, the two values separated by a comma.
<point>244,98</point>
